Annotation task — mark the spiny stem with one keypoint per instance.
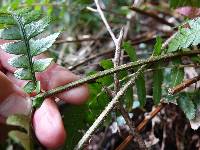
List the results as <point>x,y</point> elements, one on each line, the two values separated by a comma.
<point>108,108</point>
<point>100,74</point>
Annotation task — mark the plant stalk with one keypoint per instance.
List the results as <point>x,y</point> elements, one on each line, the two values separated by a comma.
<point>100,74</point>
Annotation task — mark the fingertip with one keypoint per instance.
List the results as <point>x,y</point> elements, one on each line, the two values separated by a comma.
<point>57,76</point>
<point>48,125</point>
<point>76,95</point>
<point>4,57</point>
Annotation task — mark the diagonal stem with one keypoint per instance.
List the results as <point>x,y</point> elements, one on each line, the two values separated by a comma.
<point>100,74</point>
<point>108,108</point>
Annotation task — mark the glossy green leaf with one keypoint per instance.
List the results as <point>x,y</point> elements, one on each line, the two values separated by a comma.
<point>75,122</point>
<point>11,33</point>
<point>187,106</point>
<point>177,74</point>
<point>19,120</point>
<point>107,80</point>
<point>21,11</point>
<point>157,85</point>
<point>19,61</point>
<point>141,89</point>
<point>6,19</point>
<point>186,36</point>
<point>180,3</point>
<point>140,82</point>
<point>31,16</point>
<point>41,64</point>
<point>23,74</point>
<point>21,138</point>
<point>37,102</point>
<point>129,98</point>
<point>130,50</point>
<point>16,48</point>
<point>25,15</point>
<point>41,45</point>
<point>29,87</point>
<point>34,28</point>
<point>157,47</point>
<point>38,87</point>
<point>158,73</point>
<point>106,64</point>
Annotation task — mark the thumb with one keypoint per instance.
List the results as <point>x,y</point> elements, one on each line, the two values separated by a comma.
<point>12,99</point>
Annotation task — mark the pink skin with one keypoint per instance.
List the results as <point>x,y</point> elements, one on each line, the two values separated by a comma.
<point>191,12</point>
<point>47,120</point>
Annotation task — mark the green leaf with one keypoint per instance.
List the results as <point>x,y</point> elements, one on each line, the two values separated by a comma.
<point>6,19</point>
<point>18,136</point>
<point>37,102</point>
<point>21,138</point>
<point>141,89</point>
<point>29,87</point>
<point>158,73</point>
<point>186,36</point>
<point>34,28</point>
<point>23,74</point>
<point>41,45</point>
<point>140,82</point>
<point>187,106</point>
<point>19,61</point>
<point>41,64</point>
<point>26,15</point>
<point>11,33</point>
<point>74,121</point>
<point>180,3</point>
<point>19,120</point>
<point>21,11</point>
<point>16,48</point>
<point>129,98</point>
<point>157,85</point>
<point>38,87</point>
<point>30,16</point>
<point>157,47</point>
<point>177,74</point>
<point>106,64</point>
<point>130,50</point>
<point>107,80</point>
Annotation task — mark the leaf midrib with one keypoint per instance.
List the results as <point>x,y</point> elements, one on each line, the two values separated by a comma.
<point>26,41</point>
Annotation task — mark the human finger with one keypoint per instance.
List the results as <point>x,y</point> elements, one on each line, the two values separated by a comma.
<point>12,99</point>
<point>48,125</point>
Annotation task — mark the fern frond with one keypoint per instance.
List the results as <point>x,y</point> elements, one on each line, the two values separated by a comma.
<point>186,37</point>
<point>23,25</point>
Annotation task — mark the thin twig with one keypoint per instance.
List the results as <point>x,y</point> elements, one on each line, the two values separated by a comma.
<point>132,127</point>
<point>139,128</point>
<point>106,111</point>
<point>90,58</point>
<point>159,19</point>
<point>105,22</point>
<point>117,43</point>
<point>154,112</point>
<point>116,60</point>
<point>183,85</point>
<point>77,40</point>
<point>135,42</point>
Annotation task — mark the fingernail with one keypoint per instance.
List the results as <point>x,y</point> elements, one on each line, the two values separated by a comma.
<point>15,104</point>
